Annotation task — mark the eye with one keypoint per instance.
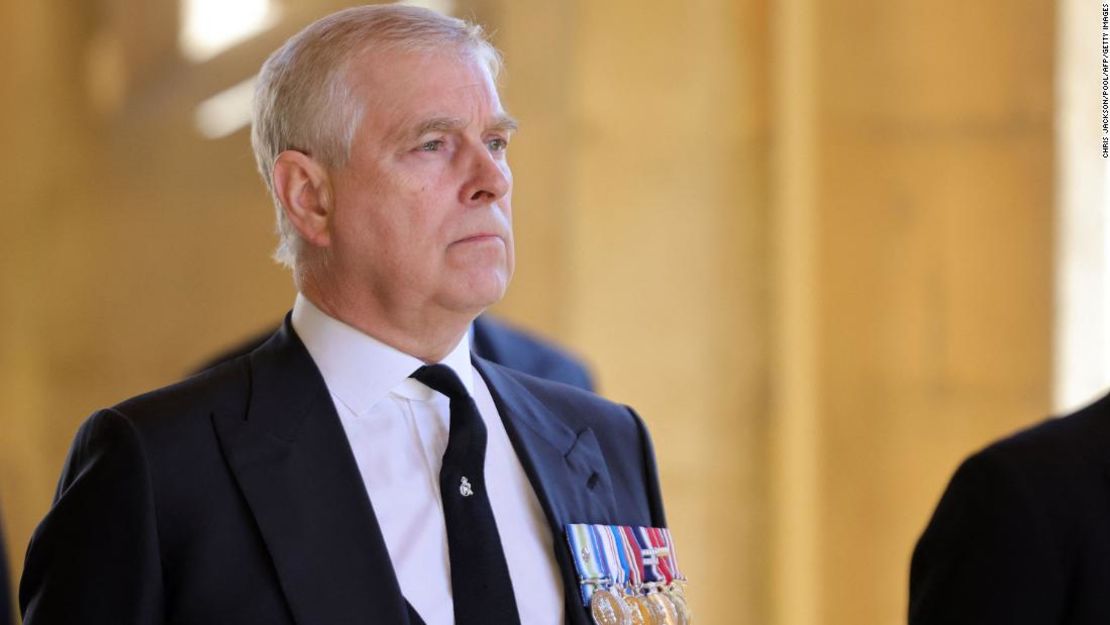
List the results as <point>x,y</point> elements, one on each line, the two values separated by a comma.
<point>431,146</point>
<point>498,144</point>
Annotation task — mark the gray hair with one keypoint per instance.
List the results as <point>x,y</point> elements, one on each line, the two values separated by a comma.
<point>303,101</point>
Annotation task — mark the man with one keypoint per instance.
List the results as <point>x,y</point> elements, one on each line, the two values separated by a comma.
<point>359,467</point>
<point>1022,534</point>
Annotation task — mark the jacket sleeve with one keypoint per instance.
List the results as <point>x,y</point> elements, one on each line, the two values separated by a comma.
<point>988,555</point>
<point>95,558</point>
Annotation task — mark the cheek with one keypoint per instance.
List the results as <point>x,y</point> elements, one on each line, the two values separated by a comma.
<point>505,208</point>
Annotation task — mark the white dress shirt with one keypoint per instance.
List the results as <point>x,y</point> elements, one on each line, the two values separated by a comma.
<point>398,429</point>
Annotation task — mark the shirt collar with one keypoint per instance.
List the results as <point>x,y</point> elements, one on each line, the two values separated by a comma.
<point>360,370</point>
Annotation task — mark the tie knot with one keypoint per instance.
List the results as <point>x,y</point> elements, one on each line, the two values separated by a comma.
<point>441,378</point>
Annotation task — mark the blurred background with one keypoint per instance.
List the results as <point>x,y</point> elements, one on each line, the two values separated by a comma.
<point>826,248</point>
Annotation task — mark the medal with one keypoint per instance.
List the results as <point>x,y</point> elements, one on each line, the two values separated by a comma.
<point>630,549</point>
<point>608,609</point>
<point>640,611</point>
<point>629,575</point>
<point>682,611</point>
<point>669,580</point>
<point>606,606</point>
<point>662,609</point>
<point>676,589</point>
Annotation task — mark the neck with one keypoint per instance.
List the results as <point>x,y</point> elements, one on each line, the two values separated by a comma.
<point>422,333</point>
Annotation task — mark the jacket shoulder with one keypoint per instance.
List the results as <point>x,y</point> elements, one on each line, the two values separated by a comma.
<point>1018,519</point>
<point>222,388</point>
<point>1070,443</point>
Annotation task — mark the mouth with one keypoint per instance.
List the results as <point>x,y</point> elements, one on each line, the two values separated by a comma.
<point>482,237</point>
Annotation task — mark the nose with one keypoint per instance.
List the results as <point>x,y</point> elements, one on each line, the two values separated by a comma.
<point>489,178</point>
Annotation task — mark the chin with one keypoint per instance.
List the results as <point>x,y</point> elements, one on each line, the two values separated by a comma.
<point>480,292</point>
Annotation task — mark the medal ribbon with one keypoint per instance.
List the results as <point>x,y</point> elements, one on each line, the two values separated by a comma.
<point>599,550</point>
<point>655,566</point>
<point>634,555</point>
<point>614,556</point>
<point>587,559</point>
<point>674,555</point>
<point>622,557</point>
<point>663,551</point>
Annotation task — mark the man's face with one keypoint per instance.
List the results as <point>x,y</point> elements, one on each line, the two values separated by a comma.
<point>422,219</point>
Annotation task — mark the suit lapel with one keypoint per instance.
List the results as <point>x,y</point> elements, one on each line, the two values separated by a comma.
<point>566,469</point>
<point>293,463</point>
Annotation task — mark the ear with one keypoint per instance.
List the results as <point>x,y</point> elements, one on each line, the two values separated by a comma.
<point>304,189</point>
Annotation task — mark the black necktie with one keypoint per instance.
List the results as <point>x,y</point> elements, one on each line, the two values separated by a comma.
<point>480,583</point>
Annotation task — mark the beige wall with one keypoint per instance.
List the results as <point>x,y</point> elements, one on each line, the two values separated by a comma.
<point>809,241</point>
<point>935,177</point>
<point>653,160</point>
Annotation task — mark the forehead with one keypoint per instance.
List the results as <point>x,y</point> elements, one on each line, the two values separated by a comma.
<point>414,85</point>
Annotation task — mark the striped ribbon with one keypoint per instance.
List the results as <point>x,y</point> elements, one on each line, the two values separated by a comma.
<point>635,556</point>
<point>614,557</point>
<point>587,559</point>
<point>656,555</point>
<point>675,569</point>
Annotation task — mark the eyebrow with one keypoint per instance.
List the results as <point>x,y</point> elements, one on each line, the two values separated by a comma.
<point>504,123</point>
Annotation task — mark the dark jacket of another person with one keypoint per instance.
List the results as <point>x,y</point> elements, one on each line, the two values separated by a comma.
<point>1022,534</point>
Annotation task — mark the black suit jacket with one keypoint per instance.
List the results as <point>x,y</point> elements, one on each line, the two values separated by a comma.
<point>6,605</point>
<point>1022,535</point>
<point>233,497</point>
